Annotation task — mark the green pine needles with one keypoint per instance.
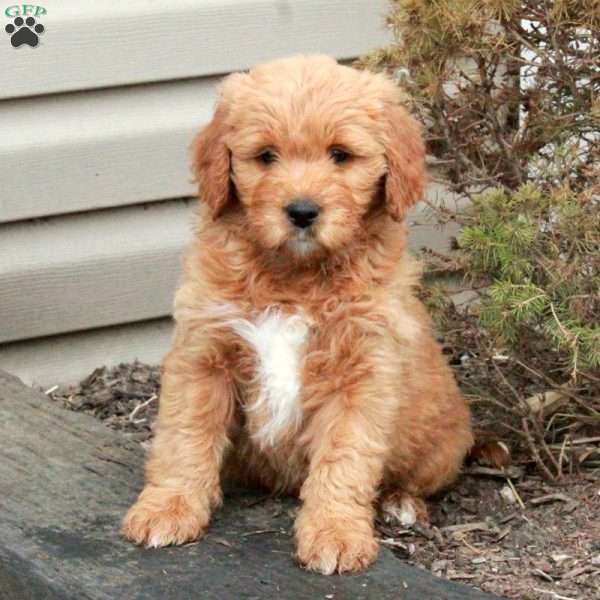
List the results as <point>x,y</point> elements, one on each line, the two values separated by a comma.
<point>540,252</point>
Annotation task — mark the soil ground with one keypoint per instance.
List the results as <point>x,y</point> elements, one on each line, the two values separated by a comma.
<point>508,532</point>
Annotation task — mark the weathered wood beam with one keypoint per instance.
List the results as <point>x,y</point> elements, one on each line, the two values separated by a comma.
<point>65,482</point>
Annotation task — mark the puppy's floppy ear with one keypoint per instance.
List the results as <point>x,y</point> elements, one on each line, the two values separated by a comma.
<point>405,154</point>
<point>211,163</point>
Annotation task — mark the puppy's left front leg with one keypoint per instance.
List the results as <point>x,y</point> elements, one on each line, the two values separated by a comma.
<point>334,528</point>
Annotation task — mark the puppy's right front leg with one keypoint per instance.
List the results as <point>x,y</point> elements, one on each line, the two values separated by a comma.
<point>182,472</point>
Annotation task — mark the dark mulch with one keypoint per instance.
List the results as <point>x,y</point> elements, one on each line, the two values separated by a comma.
<point>519,537</point>
<point>125,398</point>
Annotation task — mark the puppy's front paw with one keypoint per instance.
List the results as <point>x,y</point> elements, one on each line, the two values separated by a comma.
<point>330,545</point>
<point>163,517</point>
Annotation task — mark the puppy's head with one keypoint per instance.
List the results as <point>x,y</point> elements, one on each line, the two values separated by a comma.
<point>306,149</point>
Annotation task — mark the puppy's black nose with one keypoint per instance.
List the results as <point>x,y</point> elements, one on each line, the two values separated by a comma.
<point>302,212</point>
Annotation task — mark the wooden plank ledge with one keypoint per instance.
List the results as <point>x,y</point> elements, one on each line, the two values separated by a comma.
<point>67,480</point>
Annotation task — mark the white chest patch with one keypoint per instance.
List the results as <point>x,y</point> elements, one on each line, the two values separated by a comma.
<point>278,340</point>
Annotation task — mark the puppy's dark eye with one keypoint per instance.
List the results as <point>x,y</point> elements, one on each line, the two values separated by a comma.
<point>339,155</point>
<point>267,157</point>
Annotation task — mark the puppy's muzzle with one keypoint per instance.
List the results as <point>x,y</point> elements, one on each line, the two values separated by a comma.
<point>302,212</point>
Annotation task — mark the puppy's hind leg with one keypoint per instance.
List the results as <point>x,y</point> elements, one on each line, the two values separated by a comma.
<point>399,508</point>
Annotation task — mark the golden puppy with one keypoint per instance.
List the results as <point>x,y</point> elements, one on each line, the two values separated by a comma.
<point>302,360</point>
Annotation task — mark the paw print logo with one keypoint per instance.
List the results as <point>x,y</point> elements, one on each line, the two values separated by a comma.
<point>24,31</point>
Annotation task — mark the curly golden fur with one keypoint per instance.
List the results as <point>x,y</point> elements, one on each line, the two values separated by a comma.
<point>302,361</point>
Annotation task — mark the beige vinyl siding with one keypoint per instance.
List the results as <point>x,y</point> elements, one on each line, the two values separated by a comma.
<point>91,270</point>
<point>88,44</point>
<point>83,295</point>
<point>91,150</point>
<point>69,357</point>
<point>95,125</point>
